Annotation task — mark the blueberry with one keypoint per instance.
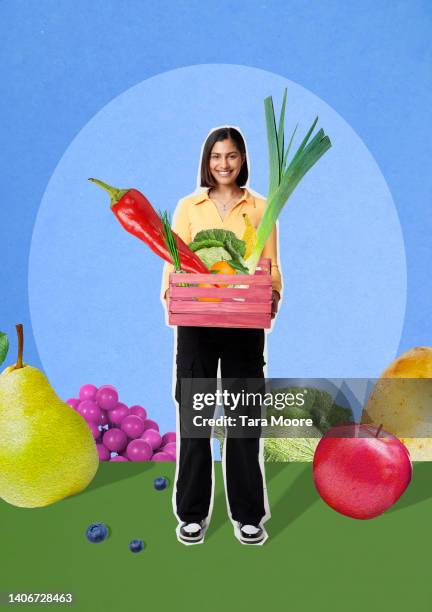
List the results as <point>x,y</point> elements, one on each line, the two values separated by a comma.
<point>97,532</point>
<point>160,483</point>
<point>136,546</point>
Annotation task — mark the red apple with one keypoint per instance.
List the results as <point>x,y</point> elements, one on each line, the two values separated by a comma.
<point>361,470</point>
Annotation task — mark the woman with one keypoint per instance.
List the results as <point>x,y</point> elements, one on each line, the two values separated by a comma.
<point>224,174</point>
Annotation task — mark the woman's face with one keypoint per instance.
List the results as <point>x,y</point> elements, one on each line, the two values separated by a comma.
<point>225,162</point>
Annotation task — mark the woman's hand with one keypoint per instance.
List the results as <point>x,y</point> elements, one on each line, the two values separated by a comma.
<point>275,303</point>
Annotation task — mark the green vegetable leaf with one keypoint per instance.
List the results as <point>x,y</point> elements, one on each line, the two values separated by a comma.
<point>305,140</point>
<point>197,245</point>
<point>225,238</point>
<point>238,265</point>
<point>220,245</point>
<point>289,449</point>
<point>211,255</point>
<point>284,174</point>
<point>236,247</point>
<point>272,140</point>
<point>169,240</point>
<point>280,134</point>
<point>285,157</point>
<point>4,346</point>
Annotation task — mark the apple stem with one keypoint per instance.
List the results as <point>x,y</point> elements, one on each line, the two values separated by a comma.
<point>19,328</point>
<point>378,432</point>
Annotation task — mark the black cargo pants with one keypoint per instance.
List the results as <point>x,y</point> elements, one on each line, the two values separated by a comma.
<point>241,354</point>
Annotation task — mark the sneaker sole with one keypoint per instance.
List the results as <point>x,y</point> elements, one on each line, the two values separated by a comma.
<point>191,538</point>
<point>252,540</point>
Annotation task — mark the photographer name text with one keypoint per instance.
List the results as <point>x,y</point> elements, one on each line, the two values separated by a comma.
<point>246,421</point>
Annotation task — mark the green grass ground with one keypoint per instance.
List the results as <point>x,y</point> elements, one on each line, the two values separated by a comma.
<point>314,558</point>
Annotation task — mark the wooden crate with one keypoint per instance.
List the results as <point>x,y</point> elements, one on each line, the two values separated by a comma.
<point>248,304</point>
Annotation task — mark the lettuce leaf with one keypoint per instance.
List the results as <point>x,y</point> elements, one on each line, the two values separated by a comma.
<point>235,247</point>
<point>211,255</point>
<point>220,245</point>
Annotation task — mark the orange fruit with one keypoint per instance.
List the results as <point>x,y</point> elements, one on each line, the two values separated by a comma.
<point>204,299</point>
<point>220,267</point>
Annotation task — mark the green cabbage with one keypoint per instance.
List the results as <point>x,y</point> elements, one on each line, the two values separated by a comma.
<point>319,406</point>
<point>207,238</point>
<point>220,245</point>
<point>211,255</point>
<point>289,449</point>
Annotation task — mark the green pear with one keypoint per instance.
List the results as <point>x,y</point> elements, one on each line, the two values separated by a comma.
<point>47,451</point>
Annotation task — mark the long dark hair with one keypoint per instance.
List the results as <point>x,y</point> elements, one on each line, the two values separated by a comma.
<point>225,133</point>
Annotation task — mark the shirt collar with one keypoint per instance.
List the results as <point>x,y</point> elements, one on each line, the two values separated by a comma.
<point>204,197</point>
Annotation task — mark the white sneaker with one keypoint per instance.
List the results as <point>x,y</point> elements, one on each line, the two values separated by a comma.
<point>251,534</point>
<point>191,533</point>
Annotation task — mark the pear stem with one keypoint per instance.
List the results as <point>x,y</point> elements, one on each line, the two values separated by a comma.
<point>19,328</point>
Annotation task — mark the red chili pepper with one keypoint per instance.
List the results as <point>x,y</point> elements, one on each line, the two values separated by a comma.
<point>139,218</point>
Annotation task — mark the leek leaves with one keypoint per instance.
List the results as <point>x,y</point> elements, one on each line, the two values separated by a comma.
<point>284,175</point>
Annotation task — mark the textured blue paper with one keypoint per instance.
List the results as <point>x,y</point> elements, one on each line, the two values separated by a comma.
<point>62,62</point>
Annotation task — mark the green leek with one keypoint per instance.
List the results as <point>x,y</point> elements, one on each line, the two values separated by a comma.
<point>284,175</point>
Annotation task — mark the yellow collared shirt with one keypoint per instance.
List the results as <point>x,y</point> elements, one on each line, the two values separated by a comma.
<point>198,212</point>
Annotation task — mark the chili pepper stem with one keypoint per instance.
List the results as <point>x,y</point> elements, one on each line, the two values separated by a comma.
<point>19,363</point>
<point>114,193</point>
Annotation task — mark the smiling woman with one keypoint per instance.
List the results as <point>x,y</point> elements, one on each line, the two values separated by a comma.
<point>224,167</point>
<point>222,206</point>
<point>224,173</point>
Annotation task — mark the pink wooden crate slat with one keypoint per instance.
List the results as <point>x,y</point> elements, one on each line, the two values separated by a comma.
<point>253,310</point>
<point>255,321</point>
<point>218,307</point>
<point>263,266</point>
<point>252,294</point>
<point>228,279</point>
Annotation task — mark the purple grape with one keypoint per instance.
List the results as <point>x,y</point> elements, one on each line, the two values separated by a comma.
<point>132,425</point>
<point>153,437</point>
<point>107,397</point>
<point>149,424</point>
<point>73,402</point>
<point>119,458</point>
<point>103,452</point>
<point>104,418</point>
<point>139,450</point>
<point>90,411</point>
<point>87,392</point>
<point>115,439</point>
<point>161,456</point>
<point>94,429</point>
<point>138,411</point>
<point>169,437</point>
<point>117,414</point>
<point>170,449</point>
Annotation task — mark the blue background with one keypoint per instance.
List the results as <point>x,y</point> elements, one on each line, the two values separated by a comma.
<point>94,290</point>
<point>63,61</point>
